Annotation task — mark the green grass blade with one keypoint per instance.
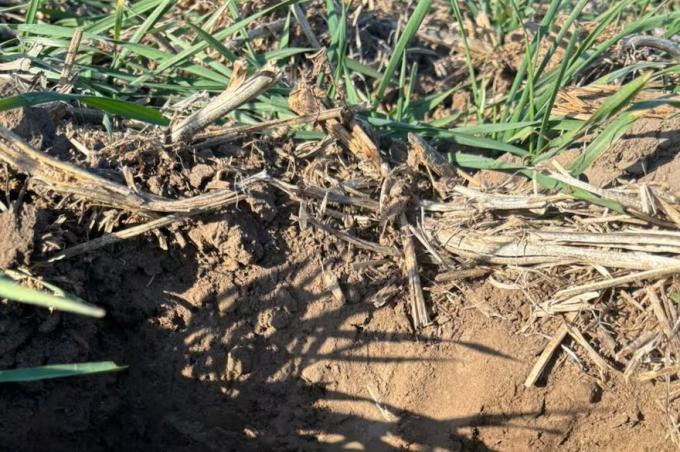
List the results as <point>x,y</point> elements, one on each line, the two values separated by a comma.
<point>109,21</point>
<point>560,35</point>
<point>350,90</point>
<point>125,109</point>
<point>604,140</point>
<point>481,162</point>
<point>236,16</point>
<point>619,100</point>
<point>32,10</point>
<point>144,29</point>
<point>426,104</point>
<point>481,143</point>
<point>402,82</point>
<point>413,81</point>
<point>638,26</point>
<point>209,24</point>
<point>111,106</point>
<point>214,43</point>
<point>16,292</point>
<point>468,60</point>
<point>553,92</point>
<point>361,68</point>
<point>339,48</point>
<point>118,19</point>
<point>58,371</point>
<point>409,32</point>
<point>284,40</point>
<point>228,31</point>
<point>531,49</point>
<point>610,107</point>
<point>493,128</point>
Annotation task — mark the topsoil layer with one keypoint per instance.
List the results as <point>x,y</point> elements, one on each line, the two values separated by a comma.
<point>224,355</point>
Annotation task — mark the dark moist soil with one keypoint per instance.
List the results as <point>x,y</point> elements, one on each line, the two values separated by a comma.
<point>235,342</point>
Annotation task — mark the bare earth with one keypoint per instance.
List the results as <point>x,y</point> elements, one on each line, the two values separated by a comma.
<point>265,358</point>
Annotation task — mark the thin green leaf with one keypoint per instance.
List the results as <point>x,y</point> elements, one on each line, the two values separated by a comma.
<point>214,43</point>
<point>560,35</point>
<point>112,106</point>
<point>430,102</point>
<point>144,29</point>
<point>554,90</point>
<point>32,10</point>
<point>228,31</point>
<point>619,100</point>
<point>468,60</point>
<point>410,30</point>
<point>58,371</point>
<point>604,140</point>
<point>361,68</point>
<point>107,22</point>
<point>13,291</point>
<point>611,106</point>
<point>284,40</point>
<point>118,18</point>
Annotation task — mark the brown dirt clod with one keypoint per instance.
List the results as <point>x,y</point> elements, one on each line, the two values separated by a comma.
<point>16,240</point>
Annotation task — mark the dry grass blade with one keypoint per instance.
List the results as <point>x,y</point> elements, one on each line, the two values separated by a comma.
<point>640,341</point>
<point>574,304</point>
<point>226,134</point>
<point>356,241</point>
<point>465,273</point>
<point>660,313</point>
<point>620,281</point>
<point>421,152</point>
<point>542,363</point>
<point>333,285</point>
<point>111,238</point>
<point>304,100</point>
<point>67,178</point>
<point>472,198</point>
<point>21,65</point>
<point>270,28</point>
<point>490,247</point>
<point>597,359</point>
<point>321,194</point>
<point>626,201</point>
<point>65,77</point>
<point>418,308</point>
<point>582,102</point>
<point>229,100</point>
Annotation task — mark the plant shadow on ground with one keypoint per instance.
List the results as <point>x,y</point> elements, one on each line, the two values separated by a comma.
<point>220,360</point>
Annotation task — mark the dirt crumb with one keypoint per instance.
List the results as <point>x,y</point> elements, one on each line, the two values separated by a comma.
<point>199,174</point>
<point>32,124</point>
<point>16,236</point>
<point>237,242</point>
<point>492,179</point>
<point>648,145</point>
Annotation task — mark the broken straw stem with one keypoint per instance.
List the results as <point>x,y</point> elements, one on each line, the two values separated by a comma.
<point>418,308</point>
<point>229,100</point>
